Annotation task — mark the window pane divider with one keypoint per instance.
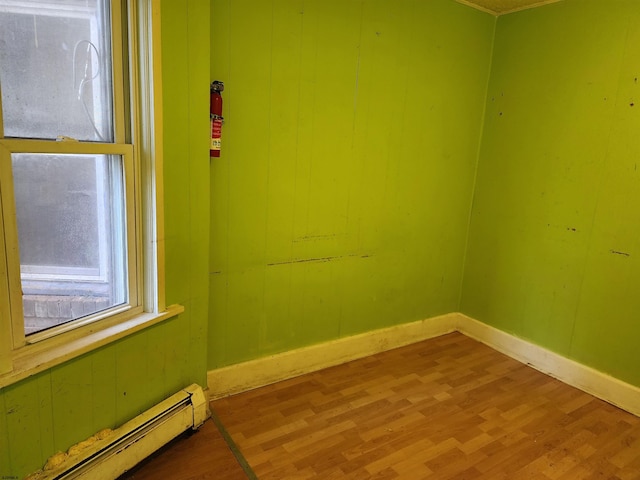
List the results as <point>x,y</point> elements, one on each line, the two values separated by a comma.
<point>15,145</point>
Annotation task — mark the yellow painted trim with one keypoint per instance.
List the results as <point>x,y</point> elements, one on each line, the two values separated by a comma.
<point>149,137</point>
<point>157,153</point>
<point>587,379</point>
<point>11,247</point>
<point>245,376</point>
<point>6,344</point>
<point>264,371</point>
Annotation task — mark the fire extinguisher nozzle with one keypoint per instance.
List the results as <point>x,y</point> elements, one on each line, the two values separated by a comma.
<point>217,86</point>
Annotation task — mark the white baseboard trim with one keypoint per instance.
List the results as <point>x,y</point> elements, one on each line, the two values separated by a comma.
<point>256,373</point>
<point>587,379</point>
<point>264,371</point>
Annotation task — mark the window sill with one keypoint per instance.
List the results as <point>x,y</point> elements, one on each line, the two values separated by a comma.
<point>31,360</point>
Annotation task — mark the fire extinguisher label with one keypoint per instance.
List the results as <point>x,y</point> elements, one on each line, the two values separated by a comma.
<point>216,133</point>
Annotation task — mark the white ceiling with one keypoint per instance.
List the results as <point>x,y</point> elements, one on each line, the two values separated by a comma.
<point>500,7</point>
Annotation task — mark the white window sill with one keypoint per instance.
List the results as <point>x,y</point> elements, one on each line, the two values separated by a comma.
<point>33,359</point>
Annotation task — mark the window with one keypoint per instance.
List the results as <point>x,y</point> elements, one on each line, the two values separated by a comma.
<point>77,175</point>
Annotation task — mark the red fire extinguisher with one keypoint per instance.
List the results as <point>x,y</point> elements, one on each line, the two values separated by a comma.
<point>216,118</point>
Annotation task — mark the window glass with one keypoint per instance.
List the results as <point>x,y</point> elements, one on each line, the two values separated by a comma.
<point>71,231</point>
<point>55,71</point>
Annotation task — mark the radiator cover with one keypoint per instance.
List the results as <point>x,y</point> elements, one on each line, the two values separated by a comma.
<point>131,443</point>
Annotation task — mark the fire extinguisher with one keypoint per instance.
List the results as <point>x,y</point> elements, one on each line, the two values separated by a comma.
<point>216,118</point>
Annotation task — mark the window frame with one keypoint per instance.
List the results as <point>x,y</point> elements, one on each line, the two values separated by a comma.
<point>140,146</point>
<point>134,304</point>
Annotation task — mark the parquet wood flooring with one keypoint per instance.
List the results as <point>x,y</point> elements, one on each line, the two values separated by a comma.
<point>445,408</point>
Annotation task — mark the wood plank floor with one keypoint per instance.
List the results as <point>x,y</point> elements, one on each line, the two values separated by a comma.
<point>446,408</point>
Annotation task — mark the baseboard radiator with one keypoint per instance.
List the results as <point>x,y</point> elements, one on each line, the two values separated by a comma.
<point>125,447</point>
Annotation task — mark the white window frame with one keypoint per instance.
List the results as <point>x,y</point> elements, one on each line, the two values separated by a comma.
<point>22,356</point>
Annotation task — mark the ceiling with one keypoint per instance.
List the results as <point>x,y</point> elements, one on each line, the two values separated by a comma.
<point>500,7</point>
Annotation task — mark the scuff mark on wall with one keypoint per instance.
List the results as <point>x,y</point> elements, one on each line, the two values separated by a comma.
<point>317,260</point>
<point>313,238</point>
<point>624,254</point>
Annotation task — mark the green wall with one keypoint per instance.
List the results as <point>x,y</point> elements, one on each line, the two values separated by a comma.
<point>554,245</point>
<point>62,406</point>
<point>342,198</point>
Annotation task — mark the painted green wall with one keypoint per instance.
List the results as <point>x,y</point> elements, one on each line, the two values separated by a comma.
<point>341,201</point>
<point>64,405</point>
<point>554,245</point>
